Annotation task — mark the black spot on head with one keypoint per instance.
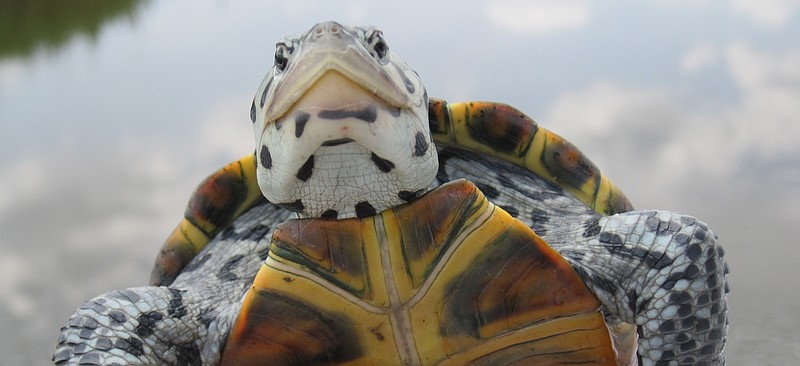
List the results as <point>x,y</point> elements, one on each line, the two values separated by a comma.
<point>364,209</point>
<point>395,112</point>
<point>264,94</point>
<point>409,196</point>
<point>253,111</point>
<point>300,121</point>
<point>305,171</point>
<point>266,157</point>
<point>330,214</point>
<point>382,164</point>
<point>296,206</point>
<point>406,81</point>
<point>420,144</point>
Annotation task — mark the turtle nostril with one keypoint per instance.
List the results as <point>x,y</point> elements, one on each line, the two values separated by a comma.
<point>318,30</point>
<point>334,29</point>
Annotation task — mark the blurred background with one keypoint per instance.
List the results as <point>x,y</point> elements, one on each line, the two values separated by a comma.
<point>112,111</point>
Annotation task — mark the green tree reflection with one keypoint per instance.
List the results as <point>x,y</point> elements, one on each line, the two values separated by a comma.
<point>27,25</point>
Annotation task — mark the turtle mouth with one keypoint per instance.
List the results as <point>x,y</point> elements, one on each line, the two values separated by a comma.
<point>337,142</point>
<point>334,96</point>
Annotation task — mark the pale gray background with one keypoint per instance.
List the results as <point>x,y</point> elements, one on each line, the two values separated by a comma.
<point>690,106</point>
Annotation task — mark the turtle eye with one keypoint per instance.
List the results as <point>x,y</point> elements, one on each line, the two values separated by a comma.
<point>377,45</point>
<point>381,49</point>
<point>281,61</point>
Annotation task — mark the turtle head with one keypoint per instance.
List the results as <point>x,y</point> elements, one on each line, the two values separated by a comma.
<point>341,125</point>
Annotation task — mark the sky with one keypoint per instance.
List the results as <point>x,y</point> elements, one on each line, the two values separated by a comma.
<point>690,106</point>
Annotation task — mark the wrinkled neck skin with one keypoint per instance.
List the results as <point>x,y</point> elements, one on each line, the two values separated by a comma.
<point>341,126</point>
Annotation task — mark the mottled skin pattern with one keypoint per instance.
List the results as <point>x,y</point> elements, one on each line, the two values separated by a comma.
<point>662,271</point>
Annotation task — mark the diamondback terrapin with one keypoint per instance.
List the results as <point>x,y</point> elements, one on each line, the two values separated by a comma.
<point>402,230</point>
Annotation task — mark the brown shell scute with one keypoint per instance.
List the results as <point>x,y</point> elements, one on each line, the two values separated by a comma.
<point>500,127</point>
<point>427,231</point>
<point>289,332</point>
<point>568,164</point>
<point>333,254</point>
<point>516,279</point>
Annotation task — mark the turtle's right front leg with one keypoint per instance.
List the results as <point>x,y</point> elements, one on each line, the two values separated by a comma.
<point>140,326</point>
<point>665,273</point>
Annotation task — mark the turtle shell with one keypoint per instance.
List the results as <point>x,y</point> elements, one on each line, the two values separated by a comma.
<point>448,279</point>
<point>493,129</point>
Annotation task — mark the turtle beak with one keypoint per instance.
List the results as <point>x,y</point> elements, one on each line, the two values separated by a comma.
<point>329,48</point>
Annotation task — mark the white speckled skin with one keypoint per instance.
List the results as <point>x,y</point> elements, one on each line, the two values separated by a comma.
<point>662,271</point>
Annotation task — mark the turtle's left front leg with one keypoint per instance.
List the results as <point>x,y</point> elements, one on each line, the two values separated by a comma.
<point>665,273</point>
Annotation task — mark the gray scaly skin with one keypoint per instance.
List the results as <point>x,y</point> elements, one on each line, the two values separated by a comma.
<point>662,271</point>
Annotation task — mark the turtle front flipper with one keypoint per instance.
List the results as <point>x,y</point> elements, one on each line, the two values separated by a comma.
<point>136,326</point>
<point>665,273</point>
<point>185,323</point>
<point>216,202</point>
